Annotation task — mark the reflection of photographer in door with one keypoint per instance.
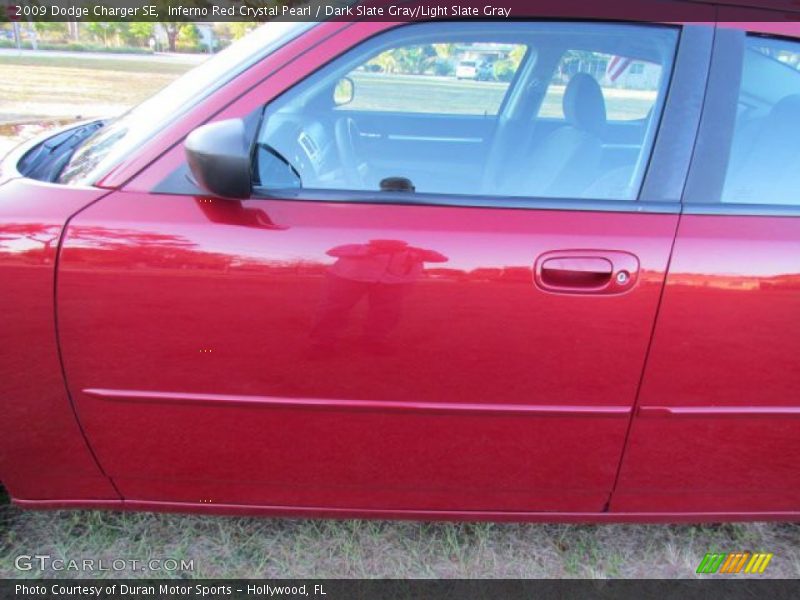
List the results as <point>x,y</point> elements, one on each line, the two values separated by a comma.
<point>381,271</point>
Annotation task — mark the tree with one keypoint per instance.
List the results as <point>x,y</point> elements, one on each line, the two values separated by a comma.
<point>239,29</point>
<point>414,59</point>
<point>174,28</point>
<point>53,31</point>
<point>189,36</point>
<point>517,54</point>
<point>141,32</point>
<point>74,30</point>
<point>386,62</point>
<point>103,30</point>
<point>445,51</point>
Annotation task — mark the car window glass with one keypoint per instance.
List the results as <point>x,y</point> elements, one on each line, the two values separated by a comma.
<point>122,135</point>
<point>455,108</point>
<point>765,152</point>
<point>445,78</point>
<point>629,86</point>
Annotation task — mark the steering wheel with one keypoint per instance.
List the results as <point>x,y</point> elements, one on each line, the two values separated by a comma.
<point>348,144</point>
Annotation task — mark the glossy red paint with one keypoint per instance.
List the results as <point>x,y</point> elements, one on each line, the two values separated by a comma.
<point>271,351</point>
<point>720,389</point>
<point>234,358</point>
<point>43,453</point>
<point>286,379</point>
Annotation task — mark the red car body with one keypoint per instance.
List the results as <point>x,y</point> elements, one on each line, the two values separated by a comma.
<point>156,346</point>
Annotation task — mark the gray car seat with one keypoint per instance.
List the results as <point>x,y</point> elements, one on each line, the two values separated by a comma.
<point>567,160</point>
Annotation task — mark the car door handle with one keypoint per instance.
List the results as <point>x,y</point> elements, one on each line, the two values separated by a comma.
<point>586,271</point>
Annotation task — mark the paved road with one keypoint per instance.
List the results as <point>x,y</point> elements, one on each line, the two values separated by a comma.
<point>166,57</point>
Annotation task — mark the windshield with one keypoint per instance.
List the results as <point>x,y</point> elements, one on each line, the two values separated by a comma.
<point>110,144</point>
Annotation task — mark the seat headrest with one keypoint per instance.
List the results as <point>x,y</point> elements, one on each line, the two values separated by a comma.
<point>764,157</point>
<point>584,105</point>
<point>785,117</point>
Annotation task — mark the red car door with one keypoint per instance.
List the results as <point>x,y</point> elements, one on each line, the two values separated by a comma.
<point>345,346</point>
<point>722,388</point>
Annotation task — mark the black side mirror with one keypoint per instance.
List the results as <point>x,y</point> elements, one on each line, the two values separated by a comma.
<point>219,158</point>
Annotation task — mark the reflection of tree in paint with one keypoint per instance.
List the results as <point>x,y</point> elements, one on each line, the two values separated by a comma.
<point>120,247</point>
<point>381,271</point>
<point>42,237</point>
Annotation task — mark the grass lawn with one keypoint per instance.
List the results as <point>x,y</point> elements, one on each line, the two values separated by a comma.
<point>37,87</point>
<point>273,548</point>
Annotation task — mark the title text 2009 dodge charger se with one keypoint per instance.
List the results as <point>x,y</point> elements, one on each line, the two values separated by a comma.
<point>322,275</point>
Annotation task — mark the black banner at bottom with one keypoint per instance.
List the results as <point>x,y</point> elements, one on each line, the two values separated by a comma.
<point>336,589</point>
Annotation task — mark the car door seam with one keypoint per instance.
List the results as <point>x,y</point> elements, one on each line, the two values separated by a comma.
<point>637,398</point>
<point>64,378</point>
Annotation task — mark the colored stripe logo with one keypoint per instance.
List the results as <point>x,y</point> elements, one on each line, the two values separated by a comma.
<point>735,562</point>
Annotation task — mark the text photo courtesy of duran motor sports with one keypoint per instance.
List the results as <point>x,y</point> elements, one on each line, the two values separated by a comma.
<point>192,590</point>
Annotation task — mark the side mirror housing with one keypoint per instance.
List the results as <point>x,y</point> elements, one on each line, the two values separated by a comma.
<point>219,158</point>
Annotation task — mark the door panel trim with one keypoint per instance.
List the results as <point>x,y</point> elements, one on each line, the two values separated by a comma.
<point>714,138</point>
<point>429,138</point>
<point>612,516</point>
<point>456,200</point>
<point>743,210</point>
<point>235,400</point>
<point>671,154</point>
<point>719,411</point>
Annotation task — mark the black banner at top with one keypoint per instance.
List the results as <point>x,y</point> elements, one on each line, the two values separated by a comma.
<point>394,10</point>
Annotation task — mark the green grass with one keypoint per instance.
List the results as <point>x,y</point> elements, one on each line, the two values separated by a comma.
<point>76,47</point>
<point>406,93</point>
<point>127,65</point>
<point>271,548</point>
<point>50,87</point>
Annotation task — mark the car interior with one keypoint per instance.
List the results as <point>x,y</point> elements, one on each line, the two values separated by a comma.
<point>515,152</point>
<point>764,148</point>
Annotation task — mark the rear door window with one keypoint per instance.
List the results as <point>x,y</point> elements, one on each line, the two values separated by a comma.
<point>630,86</point>
<point>765,151</point>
